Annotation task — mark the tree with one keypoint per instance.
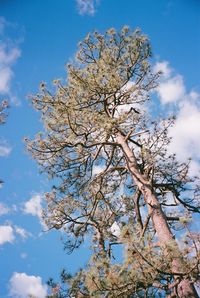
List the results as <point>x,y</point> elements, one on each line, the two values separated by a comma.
<point>110,164</point>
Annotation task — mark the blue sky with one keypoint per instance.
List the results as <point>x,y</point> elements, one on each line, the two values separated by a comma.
<point>37,39</point>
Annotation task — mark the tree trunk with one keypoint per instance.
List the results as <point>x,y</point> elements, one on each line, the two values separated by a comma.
<point>165,236</point>
<point>186,289</point>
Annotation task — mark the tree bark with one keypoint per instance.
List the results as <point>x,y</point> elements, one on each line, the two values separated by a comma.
<point>186,289</point>
<point>165,236</point>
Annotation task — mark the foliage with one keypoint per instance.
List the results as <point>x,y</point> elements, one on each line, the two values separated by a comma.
<point>110,165</point>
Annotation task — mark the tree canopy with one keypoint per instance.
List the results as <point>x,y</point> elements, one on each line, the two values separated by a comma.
<point>115,183</point>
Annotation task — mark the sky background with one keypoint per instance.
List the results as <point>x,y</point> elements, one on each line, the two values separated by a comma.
<point>37,39</point>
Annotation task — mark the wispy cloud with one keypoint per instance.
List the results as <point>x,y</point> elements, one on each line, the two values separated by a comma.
<point>9,53</point>
<point>87,7</point>
<point>5,149</point>
<point>5,79</point>
<point>23,255</point>
<point>22,285</point>
<point>4,209</point>
<point>22,232</point>
<point>2,24</point>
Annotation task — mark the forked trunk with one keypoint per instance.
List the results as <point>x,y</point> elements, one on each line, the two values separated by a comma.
<point>165,236</point>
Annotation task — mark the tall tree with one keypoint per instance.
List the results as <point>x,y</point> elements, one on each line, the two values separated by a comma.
<point>115,182</point>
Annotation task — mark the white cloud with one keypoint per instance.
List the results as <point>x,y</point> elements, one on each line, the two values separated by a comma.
<point>34,207</point>
<point>96,170</point>
<point>23,285</point>
<point>23,255</point>
<point>9,53</point>
<point>21,232</point>
<point>171,90</point>
<point>134,95</point>
<point>5,149</point>
<point>3,209</point>
<point>5,78</point>
<point>194,169</point>
<point>7,58</point>
<point>186,133</point>
<point>87,6</point>
<point>164,68</point>
<point>6,234</point>
<point>115,229</point>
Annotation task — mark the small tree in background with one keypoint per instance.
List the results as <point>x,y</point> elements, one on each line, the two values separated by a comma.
<point>112,170</point>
